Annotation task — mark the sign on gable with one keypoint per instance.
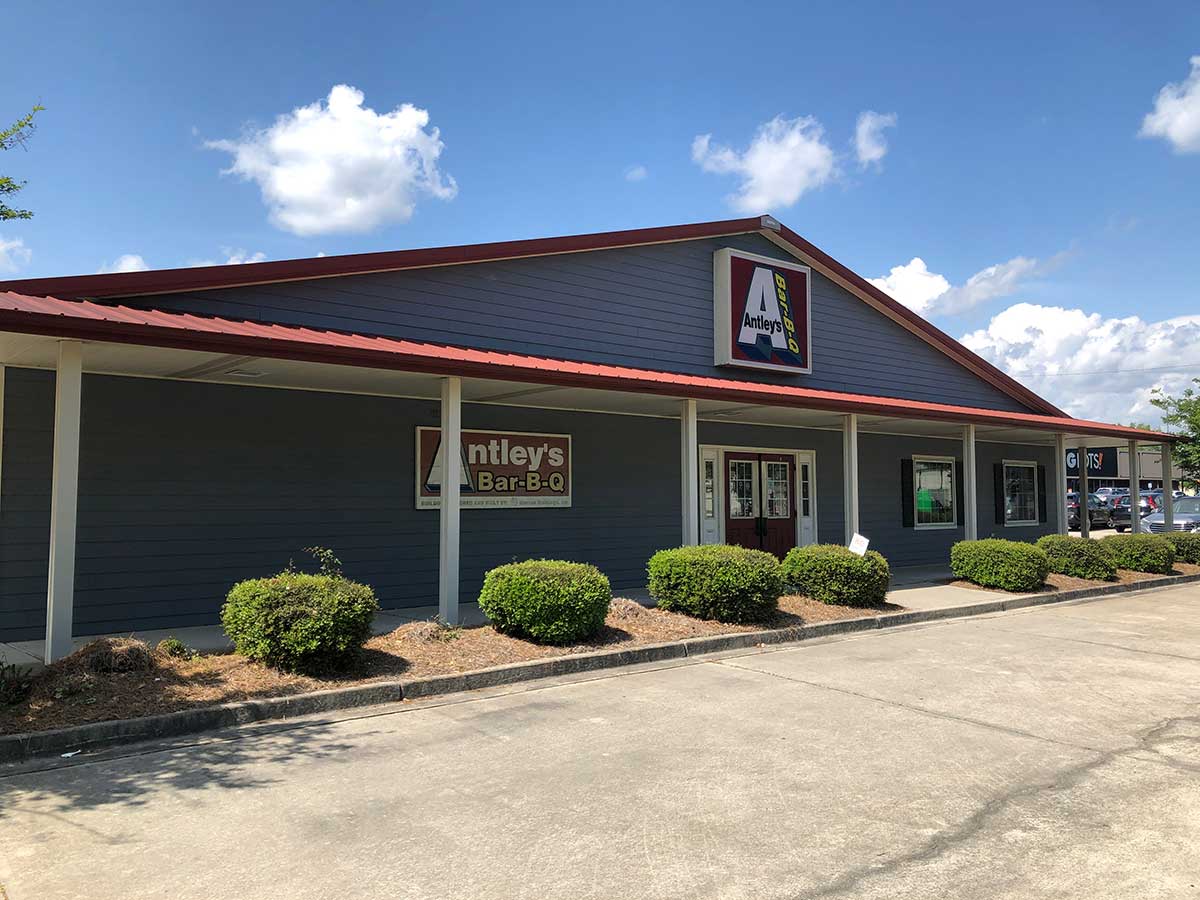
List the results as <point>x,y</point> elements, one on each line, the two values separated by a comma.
<point>761,313</point>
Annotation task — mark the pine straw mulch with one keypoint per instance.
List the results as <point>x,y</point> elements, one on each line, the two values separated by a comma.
<point>1056,582</point>
<point>85,688</point>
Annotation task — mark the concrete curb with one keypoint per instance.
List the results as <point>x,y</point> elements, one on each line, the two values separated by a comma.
<point>19,747</point>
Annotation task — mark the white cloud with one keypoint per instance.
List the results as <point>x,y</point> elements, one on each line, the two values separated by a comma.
<point>232,258</point>
<point>870,146</point>
<point>1176,113</point>
<point>929,293</point>
<point>636,173</point>
<point>13,254</point>
<point>913,284</point>
<point>337,166</point>
<point>127,262</point>
<point>1093,367</point>
<point>786,159</point>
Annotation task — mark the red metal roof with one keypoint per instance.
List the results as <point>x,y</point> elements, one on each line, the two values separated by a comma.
<point>165,281</point>
<point>85,320</point>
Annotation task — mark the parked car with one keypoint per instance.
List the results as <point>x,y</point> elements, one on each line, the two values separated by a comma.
<point>1099,514</point>
<point>1187,516</point>
<point>1120,512</point>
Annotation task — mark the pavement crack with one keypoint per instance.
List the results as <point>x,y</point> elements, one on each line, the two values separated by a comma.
<point>1058,637</point>
<point>948,839</point>
<point>923,710</point>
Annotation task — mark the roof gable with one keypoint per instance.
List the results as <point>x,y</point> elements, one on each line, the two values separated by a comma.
<point>176,281</point>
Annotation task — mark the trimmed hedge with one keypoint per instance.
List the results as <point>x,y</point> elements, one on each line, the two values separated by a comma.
<point>830,573</point>
<point>1141,552</point>
<point>299,622</point>
<point>1078,557</point>
<point>1008,565</point>
<point>1186,544</point>
<point>717,581</point>
<point>546,600</point>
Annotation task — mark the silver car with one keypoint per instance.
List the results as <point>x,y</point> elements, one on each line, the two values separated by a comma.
<point>1187,517</point>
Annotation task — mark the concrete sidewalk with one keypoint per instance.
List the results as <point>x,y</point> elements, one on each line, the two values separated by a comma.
<point>1044,753</point>
<point>918,587</point>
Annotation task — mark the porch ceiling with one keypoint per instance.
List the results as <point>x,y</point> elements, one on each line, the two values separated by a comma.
<point>40,352</point>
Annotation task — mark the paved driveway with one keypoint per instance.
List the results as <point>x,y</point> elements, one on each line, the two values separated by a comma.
<point>1045,753</point>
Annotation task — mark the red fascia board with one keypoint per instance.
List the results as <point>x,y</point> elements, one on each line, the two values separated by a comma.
<point>169,281</point>
<point>91,321</point>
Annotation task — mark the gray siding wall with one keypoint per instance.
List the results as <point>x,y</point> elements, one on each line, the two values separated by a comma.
<point>646,307</point>
<point>186,488</point>
<point>881,497</point>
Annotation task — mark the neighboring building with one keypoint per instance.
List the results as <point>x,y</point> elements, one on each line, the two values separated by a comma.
<point>612,394</point>
<point>1109,467</point>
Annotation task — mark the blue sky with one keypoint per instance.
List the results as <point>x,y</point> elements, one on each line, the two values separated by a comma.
<point>1016,144</point>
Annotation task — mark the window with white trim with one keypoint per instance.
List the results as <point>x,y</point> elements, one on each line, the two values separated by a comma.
<point>1020,493</point>
<point>933,492</point>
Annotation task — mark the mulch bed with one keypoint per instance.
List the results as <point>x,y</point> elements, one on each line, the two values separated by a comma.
<point>73,692</point>
<point>1056,582</point>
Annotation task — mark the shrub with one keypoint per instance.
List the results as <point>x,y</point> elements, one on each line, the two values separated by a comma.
<point>547,600</point>
<point>299,622</point>
<point>717,581</point>
<point>832,574</point>
<point>1141,552</point>
<point>1008,565</point>
<point>1078,557</point>
<point>1186,544</point>
<point>15,684</point>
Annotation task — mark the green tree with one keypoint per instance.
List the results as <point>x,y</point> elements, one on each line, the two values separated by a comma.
<point>1182,415</point>
<point>15,136</point>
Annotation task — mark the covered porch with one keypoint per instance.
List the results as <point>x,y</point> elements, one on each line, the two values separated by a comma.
<point>201,404</point>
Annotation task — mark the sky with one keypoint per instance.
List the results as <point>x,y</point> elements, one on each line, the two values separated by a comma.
<point>1025,176</point>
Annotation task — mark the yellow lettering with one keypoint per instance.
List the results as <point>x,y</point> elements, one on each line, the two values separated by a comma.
<point>533,482</point>
<point>485,480</point>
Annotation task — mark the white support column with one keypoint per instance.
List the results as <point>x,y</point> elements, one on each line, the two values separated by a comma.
<point>1135,489</point>
<point>64,501</point>
<point>850,473</point>
<point>1085,518</point>
<point>1060,483</point>
<point>1168,497</point>
<point>450,512</point>
<point>689,460</point>
<point>970,485</point>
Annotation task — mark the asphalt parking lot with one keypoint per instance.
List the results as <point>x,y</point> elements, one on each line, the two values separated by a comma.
<point>1050,752</point>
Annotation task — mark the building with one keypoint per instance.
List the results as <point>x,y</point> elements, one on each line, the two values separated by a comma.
<point>1109,467</point>
<point>167,433</point>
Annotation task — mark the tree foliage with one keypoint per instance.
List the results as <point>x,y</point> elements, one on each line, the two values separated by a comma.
<point>1182,415</point>
<point>16,135</point>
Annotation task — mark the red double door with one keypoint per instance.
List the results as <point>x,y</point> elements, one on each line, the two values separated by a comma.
<point>761,508</point>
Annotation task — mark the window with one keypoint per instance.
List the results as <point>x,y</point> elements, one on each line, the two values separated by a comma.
<point>779,490</point>
<point>933,492</point>
<point>742,489</point>
<point>1020,493</point>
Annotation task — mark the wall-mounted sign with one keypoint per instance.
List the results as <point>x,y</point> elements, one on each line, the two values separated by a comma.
<point>499,469</point>
<point>761,313</point>
<point>1102,462</point>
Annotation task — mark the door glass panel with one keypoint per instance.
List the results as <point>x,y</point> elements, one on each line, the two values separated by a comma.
<point>779,490</point>
<point>741,489</point>
<point>710,496</point>
<point>804,490</point>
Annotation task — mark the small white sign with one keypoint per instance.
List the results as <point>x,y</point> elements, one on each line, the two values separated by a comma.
<point>858,545</point>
